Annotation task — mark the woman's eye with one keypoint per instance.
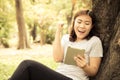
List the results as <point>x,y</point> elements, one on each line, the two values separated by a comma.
<point>79,22</point>
<point>87,23</point>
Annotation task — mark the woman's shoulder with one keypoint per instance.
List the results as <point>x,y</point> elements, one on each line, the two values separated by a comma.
<point>95,39</point>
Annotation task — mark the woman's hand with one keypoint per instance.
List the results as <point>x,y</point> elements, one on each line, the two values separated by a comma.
<point>60,26</point>
<point>91,68</point>
<point>80,61</point>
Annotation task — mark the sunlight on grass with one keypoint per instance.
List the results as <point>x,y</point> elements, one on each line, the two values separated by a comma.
<point>9,61</point>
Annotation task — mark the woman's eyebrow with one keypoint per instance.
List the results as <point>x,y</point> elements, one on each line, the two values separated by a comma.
<point>85,20</point>
<point>79,19</point>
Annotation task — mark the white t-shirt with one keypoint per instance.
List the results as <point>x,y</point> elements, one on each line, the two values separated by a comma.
<point>93,48</point>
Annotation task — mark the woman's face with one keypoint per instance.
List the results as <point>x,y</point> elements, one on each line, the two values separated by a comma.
<point>82,26</point>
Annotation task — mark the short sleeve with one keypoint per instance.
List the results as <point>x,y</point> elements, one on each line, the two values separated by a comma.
<point>64,40</point>
<point>97,49</point>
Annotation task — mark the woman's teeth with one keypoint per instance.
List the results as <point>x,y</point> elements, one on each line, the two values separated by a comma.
<point>81,31</point>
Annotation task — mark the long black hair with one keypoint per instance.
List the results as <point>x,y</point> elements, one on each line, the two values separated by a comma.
<point>94,30</point>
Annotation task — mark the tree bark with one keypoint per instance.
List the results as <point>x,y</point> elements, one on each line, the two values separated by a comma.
<point>42,37</point>
<point>108,16</point>
<point>23,41</point>
<point>69,16</point>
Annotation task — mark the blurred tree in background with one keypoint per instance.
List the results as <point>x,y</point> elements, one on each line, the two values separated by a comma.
<point>23,40</point>
<point>40,20</point>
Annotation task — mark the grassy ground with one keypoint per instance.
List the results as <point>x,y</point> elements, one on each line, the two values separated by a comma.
<point>11,57</point>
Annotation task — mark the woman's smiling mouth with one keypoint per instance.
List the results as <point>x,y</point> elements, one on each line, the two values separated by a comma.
<point>81,31</point>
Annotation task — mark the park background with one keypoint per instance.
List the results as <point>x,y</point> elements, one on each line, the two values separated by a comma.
<point>27,29</point>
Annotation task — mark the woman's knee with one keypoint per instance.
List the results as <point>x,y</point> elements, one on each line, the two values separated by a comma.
<point>31,64</point>
<point>26,63</point>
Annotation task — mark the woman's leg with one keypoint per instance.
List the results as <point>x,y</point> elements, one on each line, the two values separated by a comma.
<point>31,70</point>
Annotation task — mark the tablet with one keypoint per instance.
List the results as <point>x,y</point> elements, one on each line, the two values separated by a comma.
<point>71,52</point>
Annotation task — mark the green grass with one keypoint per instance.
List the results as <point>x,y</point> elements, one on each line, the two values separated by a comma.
<point>9,62</point>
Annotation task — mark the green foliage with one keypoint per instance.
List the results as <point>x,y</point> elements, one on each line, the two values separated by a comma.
<point>6,19</point>
<point>4,30</point>
<point>49,36</point>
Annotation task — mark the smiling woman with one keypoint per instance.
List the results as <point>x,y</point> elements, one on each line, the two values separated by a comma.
<point>83,25</point>
<point>84,20</point>
<point>82,36</point>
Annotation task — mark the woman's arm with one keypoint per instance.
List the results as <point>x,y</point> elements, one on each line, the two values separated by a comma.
<point>91,69</point>
<point>57,48</point>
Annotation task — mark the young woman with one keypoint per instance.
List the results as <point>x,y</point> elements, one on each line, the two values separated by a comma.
<point>83,35</point>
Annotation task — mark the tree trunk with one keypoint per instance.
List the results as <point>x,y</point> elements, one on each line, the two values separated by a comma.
<point>69,16</point>
<point>108,16</point>
<point>33,32</point>
<point>42,37</point>
<point>23,42</point>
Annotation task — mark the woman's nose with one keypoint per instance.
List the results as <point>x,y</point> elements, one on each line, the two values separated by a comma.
<point>82,25</point>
